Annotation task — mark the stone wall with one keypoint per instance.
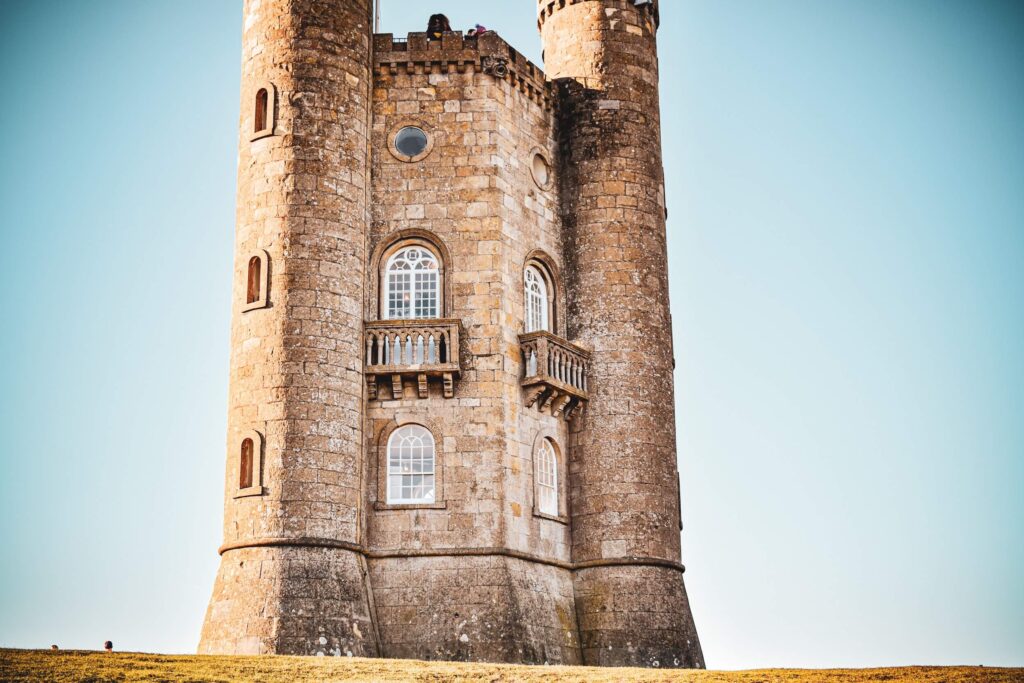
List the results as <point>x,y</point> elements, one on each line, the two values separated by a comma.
<point>603,56</point>
<point>473,195</point>
<point>296,374</point>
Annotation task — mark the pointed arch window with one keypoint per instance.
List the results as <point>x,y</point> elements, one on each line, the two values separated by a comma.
<point>538,300</point>
<point>412,284</point>
<point>257,281</point>
<point>411,463</point>
<point>547,479</point>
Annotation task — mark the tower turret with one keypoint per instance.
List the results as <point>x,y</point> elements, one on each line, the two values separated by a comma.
<point>289,581</point>
<point>631,602</point>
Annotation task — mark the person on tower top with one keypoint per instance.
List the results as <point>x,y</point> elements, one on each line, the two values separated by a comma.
<point>437,26</point>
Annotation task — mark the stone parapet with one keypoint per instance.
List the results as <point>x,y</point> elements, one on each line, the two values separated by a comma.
<point>455,52</point>
<point>548,7</point>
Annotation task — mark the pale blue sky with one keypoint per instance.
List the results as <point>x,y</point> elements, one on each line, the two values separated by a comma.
<point>846,232</point>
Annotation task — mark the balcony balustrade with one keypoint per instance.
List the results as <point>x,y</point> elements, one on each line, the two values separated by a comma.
<point>555,373</point>
<point>419,349</point>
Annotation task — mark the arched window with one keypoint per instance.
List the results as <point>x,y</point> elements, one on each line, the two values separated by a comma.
<point>245,464</point>
<point>257,278</point>
<point>412,285</point>
<point>250,465</point>
<point>262,100</point>
<point>538,301</point>
<point>411,466</point>
<point>264,115</point>
<point>547,479</point>
<point>252,288</point>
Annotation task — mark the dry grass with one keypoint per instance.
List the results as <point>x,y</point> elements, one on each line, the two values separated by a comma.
<point>66,665</point>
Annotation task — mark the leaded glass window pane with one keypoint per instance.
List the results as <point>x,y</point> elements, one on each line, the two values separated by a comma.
<point>411,465</point>
<point>412,283</point>
<point>536,300</point>
<point>547,479</point>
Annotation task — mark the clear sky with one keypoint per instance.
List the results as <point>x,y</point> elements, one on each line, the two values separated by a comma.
<point>846,234</point>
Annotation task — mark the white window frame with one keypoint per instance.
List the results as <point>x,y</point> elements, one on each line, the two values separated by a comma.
<point>547,479</point>
<point>537,300</point>
<point>426,459</point>
<point>415,288</point>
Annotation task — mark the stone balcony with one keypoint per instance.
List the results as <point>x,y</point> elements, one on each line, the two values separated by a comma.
<point>556,373</point>
<point>414,349</point>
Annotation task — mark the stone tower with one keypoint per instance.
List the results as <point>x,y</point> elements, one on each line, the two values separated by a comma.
<point>603,57</point>
<point>451,416</point>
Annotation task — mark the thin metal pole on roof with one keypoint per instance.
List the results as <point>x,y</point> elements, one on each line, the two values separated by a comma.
<point>376,16</point>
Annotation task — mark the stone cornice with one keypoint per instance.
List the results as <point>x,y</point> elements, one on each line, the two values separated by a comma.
<point>379,554</point>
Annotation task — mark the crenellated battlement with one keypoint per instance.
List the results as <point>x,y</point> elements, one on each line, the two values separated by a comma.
<point>456,52</point>
<point>549,7</point>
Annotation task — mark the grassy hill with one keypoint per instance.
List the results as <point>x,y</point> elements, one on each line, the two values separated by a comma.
<point>66,665</point>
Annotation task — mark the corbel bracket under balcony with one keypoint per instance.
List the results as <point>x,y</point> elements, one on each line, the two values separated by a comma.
<point>555,373</point>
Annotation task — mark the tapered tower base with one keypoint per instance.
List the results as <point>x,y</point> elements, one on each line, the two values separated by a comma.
<point>636,616</point>
<point>289,601</point>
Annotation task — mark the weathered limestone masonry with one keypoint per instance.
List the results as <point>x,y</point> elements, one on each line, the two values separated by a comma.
<point>474,196</point>
<point>603,56</point>
<point>450,431</point>
<point>286,582</point>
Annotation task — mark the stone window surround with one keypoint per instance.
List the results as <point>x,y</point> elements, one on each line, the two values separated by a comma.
<point>418,438</point>
<point>257,464</point>
<point>549,270</point>
<point>271,126</point>
<point>398,125</point>
<point>263,300</point>
<point>389,245</point>
<point>562,469</point>
<point>381,446</point>
<point>535,152</point>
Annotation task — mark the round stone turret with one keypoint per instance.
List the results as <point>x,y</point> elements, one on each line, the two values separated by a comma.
<point>631,602</point>
<point>288,584</point>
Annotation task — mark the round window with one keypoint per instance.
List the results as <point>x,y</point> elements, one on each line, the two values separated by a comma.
<point>541,170</point>
<point>411,142</point>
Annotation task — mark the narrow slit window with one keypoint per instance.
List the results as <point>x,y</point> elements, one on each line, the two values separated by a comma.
<point>245,466</point>
<point>257,280</point>
<point>262,102</point>
<point>250,465</point>
<point>253,284</point>
<point>264,115</point>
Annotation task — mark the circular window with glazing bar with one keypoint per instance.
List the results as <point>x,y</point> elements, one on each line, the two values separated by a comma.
<point>409,141</point>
